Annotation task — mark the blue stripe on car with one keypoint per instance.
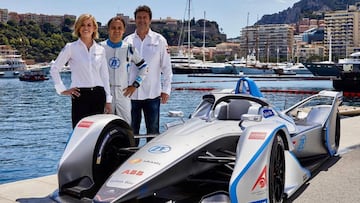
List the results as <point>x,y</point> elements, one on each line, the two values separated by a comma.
<point>233,196</point>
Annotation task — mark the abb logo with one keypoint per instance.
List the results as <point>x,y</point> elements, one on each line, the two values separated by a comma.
<point>133,172</point>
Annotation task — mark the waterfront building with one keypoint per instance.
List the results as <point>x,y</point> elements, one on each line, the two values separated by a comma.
<point>270,41</point>
<point>56,20</point>
<point>342,31</point>
<point>3,15</point>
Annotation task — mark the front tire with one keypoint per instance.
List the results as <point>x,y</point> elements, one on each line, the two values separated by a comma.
<point>107,155</point>
<point>277,170</point>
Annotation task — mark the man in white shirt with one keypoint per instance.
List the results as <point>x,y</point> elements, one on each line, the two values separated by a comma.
<point>156,87</point>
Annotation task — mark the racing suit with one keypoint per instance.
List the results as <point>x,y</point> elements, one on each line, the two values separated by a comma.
<point>119,56</point>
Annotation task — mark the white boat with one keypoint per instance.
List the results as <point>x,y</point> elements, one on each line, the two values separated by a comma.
<point>250,66</point>
<point>185,63</point>
<point>250,60</point>
<point>45,67</point>
<point>291,69</point>
<point>11,63</point>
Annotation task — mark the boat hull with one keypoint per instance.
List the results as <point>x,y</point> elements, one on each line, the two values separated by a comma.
<point>33,76</point>
<point>254,70</point>
<point>184,70</point>
<point>323,69</point>
<point>224,70</point>
<point>349,82</point>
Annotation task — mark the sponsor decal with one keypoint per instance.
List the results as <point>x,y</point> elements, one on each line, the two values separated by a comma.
<point>121,182</point>
<point>135,161</point>
<point>257,135</point>
<point>133,172</point>
<point>301,143</point>
<point>152,162</point>
<point>85,124</point>
<point>114,62</point>
<point>261,180</point>
<point>260,201</point>
<point>268,113</point>
<point>159,149</point>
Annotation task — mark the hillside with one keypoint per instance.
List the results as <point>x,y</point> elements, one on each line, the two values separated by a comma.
<point>305,8</point>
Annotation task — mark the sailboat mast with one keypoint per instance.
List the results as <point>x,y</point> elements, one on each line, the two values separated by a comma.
<point>247,40</point>
<point>330,46</point>
<point>189,46</point>
<point>203,49</point>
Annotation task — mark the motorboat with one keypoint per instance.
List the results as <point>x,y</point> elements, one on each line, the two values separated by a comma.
<point>33,75</point>
<point>291,69</point>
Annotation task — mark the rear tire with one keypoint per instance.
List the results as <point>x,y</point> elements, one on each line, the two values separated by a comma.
<point>277,170</point>
<point>337,133</point>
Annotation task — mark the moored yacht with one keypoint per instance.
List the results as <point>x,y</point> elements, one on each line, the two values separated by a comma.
<point>186,64</point>
<point>250,66</point>
<point>323,68</point>
<point>11,63</point>
<point>349,74</point>
<point>291,69</point>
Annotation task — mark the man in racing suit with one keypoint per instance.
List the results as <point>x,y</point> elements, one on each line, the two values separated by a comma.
<point>119,55</point>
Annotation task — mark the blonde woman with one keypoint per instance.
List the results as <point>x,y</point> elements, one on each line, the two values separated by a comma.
<point>89,89</point>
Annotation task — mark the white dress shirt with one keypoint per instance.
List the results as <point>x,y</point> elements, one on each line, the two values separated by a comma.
<point>154,50</point>
<point>88,67</point>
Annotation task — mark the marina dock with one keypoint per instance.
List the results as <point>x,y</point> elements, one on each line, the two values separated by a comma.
<point>267,76</point>
<point>349,144</point>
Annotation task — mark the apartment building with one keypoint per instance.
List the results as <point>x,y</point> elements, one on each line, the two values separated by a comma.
<point>56,20</point>
<point>268,42</point>
<point>3,15</point>
<point>342,31</point>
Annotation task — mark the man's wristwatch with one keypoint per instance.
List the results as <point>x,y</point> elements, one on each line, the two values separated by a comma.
<point>136,84</point>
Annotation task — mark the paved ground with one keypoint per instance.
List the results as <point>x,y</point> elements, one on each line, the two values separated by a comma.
<point>338,180</point>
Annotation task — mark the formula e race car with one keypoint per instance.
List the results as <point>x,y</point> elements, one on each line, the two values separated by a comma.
<point>235,147</point>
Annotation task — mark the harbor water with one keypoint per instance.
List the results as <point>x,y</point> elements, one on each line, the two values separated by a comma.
<point>35,122</point>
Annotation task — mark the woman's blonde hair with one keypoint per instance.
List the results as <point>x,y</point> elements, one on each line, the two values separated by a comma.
<point>80,21</point>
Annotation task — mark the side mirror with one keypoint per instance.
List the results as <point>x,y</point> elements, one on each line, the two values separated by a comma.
<point>249,117</point>
<point>178,114</point>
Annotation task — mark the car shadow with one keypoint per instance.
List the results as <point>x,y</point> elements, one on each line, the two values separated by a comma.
<point>328,163</point>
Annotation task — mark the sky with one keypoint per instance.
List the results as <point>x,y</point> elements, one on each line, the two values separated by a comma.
<point>231,15</point>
